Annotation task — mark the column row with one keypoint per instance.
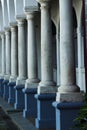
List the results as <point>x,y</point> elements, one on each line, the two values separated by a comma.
<point>20,84</point>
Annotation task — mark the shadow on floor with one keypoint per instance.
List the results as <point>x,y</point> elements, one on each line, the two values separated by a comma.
<point>6,122</point>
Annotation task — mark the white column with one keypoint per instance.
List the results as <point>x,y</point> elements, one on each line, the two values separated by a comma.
<point>80,57</point>
<point>68,90</point>
<point>58,58</point>
<point>3,54</point>
<point>22,51</point>
<point>0,56</point>
<point>32,53</point>
<point>14,53</point>
<point>79,40</point>
<point>8,53</point>
<point>46,84</point>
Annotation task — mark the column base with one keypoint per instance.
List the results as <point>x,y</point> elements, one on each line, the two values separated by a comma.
<point>19,97</point>
<point>45,112</point>
<point>46,89</point>
<point>30,109</point>
<point>6,89</point>
<point>1,87</point>
<point>11,98</point>
<point>69,97</point>
<point>66,113</point>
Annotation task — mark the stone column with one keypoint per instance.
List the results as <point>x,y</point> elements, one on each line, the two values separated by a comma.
<point>46,84</point>
<point>14,63</point>
<point>67,55</point>
<point>8,63</point>
<point>46,89</point>
<point>3,55</point>
<point>3,63</point>
<point>22,51</point>
<point>22,64</point>
<point>58,57</point>
<point>80,66</point>
<point>8,53</point>
<point>14,53</point>
<point>68,100</point>
<point>32,53</point>
<point>0,56</point>
<point>32,81</point>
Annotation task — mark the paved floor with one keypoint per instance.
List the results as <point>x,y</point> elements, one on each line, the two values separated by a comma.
<point>16,116</point>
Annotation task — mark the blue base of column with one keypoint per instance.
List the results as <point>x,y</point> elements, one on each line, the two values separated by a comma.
<point>6,89</point>
<point>19,97</point>
<point>30,109</point>
<point>65,114</point>
<point>45,112</point>
<point>11,98</point>
<point>1,87</point>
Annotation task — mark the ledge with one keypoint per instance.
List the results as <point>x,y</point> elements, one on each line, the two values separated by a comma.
<point>48,96</point>
<point>12,83</point>
<point>5,81</point>
<point>30,90</point>
<point>19,87</point>
<point>67,105</point>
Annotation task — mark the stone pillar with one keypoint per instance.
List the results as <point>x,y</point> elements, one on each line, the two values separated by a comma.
<point>3,55</point>
<point>32,52</point>
<point>0,56</point>
<point>22,53</point>
<point>46,84</point>
<point>32,81</point>
<point>14,64</point>
<point>80,56</point>
<point>8,63</point>
<point>67,54</point>
<point>8,53</point>
<point>58,57</point>
<point>46,89</point>
<point>14,54</point>
<point>3,63</point>
<point>22,64</point>
<point>68,100</point>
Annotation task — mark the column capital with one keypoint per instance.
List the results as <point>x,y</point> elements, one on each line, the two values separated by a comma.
<point>21,21</point>
<point>43,1</point>
<point>13,28</point>
<point>30,15</point>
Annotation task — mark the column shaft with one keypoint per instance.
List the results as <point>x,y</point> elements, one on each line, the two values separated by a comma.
<point>32,64</point>
<point>22,52</point>
<point>46,44</point>
<point>3,54</point>
<point>67,54</point>
<point>8,52</point>
<point>46,84</point>
<point>14,52</point>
